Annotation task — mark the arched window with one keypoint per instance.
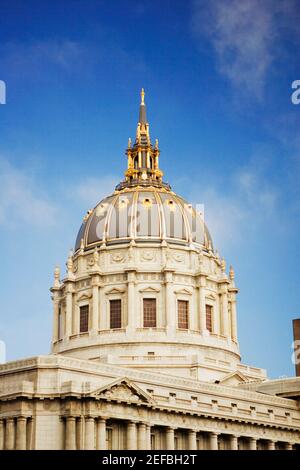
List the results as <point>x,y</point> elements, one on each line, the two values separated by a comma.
<point>151,162</point>
<point>136,163</point>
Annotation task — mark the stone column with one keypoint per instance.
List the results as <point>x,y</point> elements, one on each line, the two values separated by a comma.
<point>142,436</point>
<point>80,433</point>
<point>95,308</point>
<point>1,434</point>
<point>233,321</point>
<point>192,439</point>
<point>10,434</point>
<point>233,443</point>
<point>131,436</point>
<point>70,433</point>
<point>21,437</point>
<point>216,317</point>
<point>225,323</point>
<point>271,445</point>
<point>171,320</point>
<point>148,437</point>
<point>29,427</point>
<point>103,321</point>
<point>192,321</point>
<point>213,441</point>
<point>69,309</point>
<point>89,433</point>
<point>76,320</point>
<point>131,301</point>
<point>101,434</point>
<point>55,319</point>
<point>170,439</point>
<point>288,446</point>
<point>252,444</point>
<point>202,302</point>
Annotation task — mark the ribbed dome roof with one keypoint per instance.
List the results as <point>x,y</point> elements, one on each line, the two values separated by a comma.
<point>143,207</point>
<point>143,214</point>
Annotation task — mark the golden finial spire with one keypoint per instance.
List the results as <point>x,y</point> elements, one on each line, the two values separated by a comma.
<point>142,157</point>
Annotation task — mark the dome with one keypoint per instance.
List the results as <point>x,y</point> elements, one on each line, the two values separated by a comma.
<point>144,287</point>
<point>143,207</point>
<point>143,214</point>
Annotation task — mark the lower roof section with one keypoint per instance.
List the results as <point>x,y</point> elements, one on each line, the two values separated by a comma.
<point>55,376</point>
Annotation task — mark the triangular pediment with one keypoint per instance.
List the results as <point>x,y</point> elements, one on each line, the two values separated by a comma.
<point>122,390</point>
<point>149,289</point>
<point>183,292</point>
<point>234,378</point>
<point>84,297</point>
<point>211,297</point>
<point>115,290</point>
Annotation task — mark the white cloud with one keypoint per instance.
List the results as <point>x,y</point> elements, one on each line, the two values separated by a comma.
<point>235,215</point>
<point>244,35</point>
<point>21,201</point>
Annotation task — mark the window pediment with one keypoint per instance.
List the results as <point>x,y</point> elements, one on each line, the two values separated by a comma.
<point>211,297</point>
<point>183,292</point>
<point>115,290</point>
<point>149,289</point>
<point>83,297</point>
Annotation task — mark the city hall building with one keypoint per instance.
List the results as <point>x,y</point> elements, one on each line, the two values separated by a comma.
<point>145,351</point>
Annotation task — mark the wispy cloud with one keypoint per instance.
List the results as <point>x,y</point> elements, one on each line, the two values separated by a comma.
<point>40,59</point>
<point>89,191</point>
<point>236,214</point>
<point>22,201</point>
<point>244,35</point>
<point>52,60</point>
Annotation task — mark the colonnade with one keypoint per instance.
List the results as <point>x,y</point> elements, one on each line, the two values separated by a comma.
<point>94,434</point>
<point>15,433</point>
<point>138,437</point>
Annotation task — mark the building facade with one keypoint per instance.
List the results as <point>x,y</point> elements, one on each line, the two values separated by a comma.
<point>145,351</point>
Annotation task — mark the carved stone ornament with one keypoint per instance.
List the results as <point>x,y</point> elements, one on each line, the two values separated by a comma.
<point>148,255</point>
<point>90,261</point>
<point>117,257</point>
<point>178,257</point>
<point>120,392</point>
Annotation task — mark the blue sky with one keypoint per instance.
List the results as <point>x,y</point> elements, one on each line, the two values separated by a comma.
<point>218,77</point>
